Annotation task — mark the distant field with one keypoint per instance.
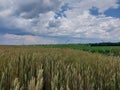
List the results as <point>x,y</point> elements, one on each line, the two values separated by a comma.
<point>109,50</point>
<point>39,68</point>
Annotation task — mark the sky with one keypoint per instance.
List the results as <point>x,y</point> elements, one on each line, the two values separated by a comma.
<point>59,21</point>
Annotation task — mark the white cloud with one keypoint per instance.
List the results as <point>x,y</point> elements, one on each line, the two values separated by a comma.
<point>24,40</point>
<point>83,5</point>
<point>37,17</point>
<point>88,26</point>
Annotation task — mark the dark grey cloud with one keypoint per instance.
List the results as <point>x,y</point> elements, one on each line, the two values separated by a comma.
<point>32,8</point>
<point>29,11</point>
<point>54,24</point>
<point>4,30</point>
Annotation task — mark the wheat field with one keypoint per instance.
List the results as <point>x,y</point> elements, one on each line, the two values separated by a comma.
<point>38,68</point>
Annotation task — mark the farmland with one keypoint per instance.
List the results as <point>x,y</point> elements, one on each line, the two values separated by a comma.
<point>108,50</point>
<point>40,68</point>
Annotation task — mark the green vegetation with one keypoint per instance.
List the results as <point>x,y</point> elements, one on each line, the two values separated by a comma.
<point>108,50</point>
<point>38,68</point>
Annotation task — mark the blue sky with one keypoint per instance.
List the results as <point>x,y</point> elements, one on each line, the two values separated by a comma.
<point>59,21</point>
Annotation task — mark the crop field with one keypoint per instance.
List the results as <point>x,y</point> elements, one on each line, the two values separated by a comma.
<point>42,68</point>
<point>108,50</point>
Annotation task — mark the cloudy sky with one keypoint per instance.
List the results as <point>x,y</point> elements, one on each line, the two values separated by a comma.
<point>59,21</point>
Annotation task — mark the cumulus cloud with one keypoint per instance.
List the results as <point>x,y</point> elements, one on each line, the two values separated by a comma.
<point>90,26</point>
<point>59,19</point>
<point>30,8</point>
